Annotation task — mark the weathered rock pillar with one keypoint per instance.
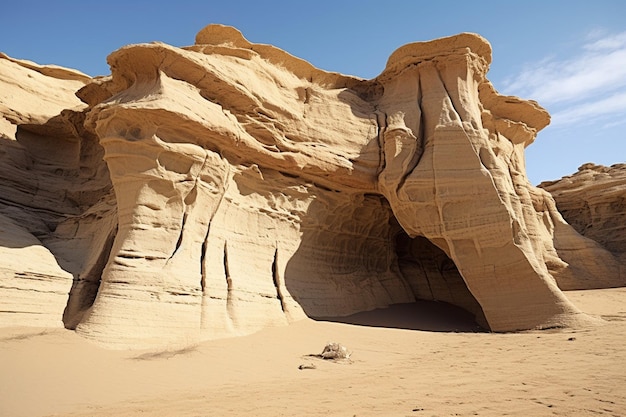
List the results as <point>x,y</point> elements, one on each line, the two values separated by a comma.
<point>447,177</point>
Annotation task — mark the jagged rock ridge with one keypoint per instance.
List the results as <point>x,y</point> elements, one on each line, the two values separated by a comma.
<point>228,186</point>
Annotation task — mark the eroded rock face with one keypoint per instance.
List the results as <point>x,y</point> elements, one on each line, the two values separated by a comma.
<point>593,201</point>
<point>251,189</point>
<point>54,213</point>
<point>454,173</point>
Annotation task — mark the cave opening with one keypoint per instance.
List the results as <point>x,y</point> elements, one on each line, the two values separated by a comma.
<point>442,296</point>
<point>442,302</point>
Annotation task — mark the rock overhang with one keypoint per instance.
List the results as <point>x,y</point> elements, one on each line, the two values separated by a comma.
<point>324,171</point>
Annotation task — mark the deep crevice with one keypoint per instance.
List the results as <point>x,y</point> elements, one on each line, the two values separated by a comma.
<point>422,121</point>
<point>229,281</point>
<point>180,236</point>
<point>229,284</point>
<point>276,279</point>
<point>445,88</point>
<point>381,125</point>
<point>203,250</point>
<point>85,288</point>
<point>419,147</point>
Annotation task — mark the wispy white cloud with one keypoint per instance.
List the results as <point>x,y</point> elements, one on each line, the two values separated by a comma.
<point>599,42</point>
<point>593,111</point>
<point>614,123</point>
<point>600,66</point>
<point>590,85</point>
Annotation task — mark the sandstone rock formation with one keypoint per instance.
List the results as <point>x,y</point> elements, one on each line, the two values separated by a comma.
<point>593,201</point>
<point>52,179</point>
<point>217,189</point>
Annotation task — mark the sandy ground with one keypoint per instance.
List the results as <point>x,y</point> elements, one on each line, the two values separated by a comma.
<point>402,364</point>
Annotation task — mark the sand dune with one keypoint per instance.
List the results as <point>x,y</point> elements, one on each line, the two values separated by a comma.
<point>393,371</point>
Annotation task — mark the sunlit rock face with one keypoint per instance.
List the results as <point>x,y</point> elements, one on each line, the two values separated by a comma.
<point>229,186</point>
<point>593,201</point>
<point>454,173</point>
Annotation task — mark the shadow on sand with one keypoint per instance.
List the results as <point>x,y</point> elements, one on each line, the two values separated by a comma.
<point>432,316</point>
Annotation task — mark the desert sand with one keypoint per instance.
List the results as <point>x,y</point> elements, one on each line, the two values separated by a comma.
<point>401,365</point>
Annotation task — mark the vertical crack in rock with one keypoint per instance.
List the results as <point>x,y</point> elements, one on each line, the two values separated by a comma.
<point>229,283</point>
<point>456,107</point>
<point>381,122</point>
<point>419,145</point>
<point>421,133</point>
<point>205,241</point>
<point>179,242</point>
<point>85,288</point>
<point>203,250</point>
<point>188,203</point>
<point>277,280</point>
<point>203,271</point>
<point>186,209</point>
<point>223,187</point>
<point>203,275</point>
<point>405,153</point>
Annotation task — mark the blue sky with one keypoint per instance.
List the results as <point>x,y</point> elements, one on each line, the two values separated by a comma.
<point>569,55</point>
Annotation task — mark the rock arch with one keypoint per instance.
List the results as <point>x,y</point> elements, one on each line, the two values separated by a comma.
<point>251,189</point>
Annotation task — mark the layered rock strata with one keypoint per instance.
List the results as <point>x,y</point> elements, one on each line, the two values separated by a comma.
<point>593,201</point>
<point>54,213</point>
<point>251,189</point>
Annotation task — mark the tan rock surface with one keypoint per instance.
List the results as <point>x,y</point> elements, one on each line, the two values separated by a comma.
<point>593,201</point>
<point>454,173</point>
<point>251,189</point>
<point>52,173</point>
<point>33,94</point>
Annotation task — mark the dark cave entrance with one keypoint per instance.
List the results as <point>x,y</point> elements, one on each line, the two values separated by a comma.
<point>356,264</point>
<point>436,282</point>
<point>443,302</point>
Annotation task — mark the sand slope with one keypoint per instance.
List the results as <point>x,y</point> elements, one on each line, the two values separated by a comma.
<point>393,371</point>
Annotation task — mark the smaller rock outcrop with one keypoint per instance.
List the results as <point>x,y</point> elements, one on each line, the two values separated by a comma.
<point>593,201</point>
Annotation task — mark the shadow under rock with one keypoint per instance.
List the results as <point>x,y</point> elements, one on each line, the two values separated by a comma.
<point>433,316</point>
